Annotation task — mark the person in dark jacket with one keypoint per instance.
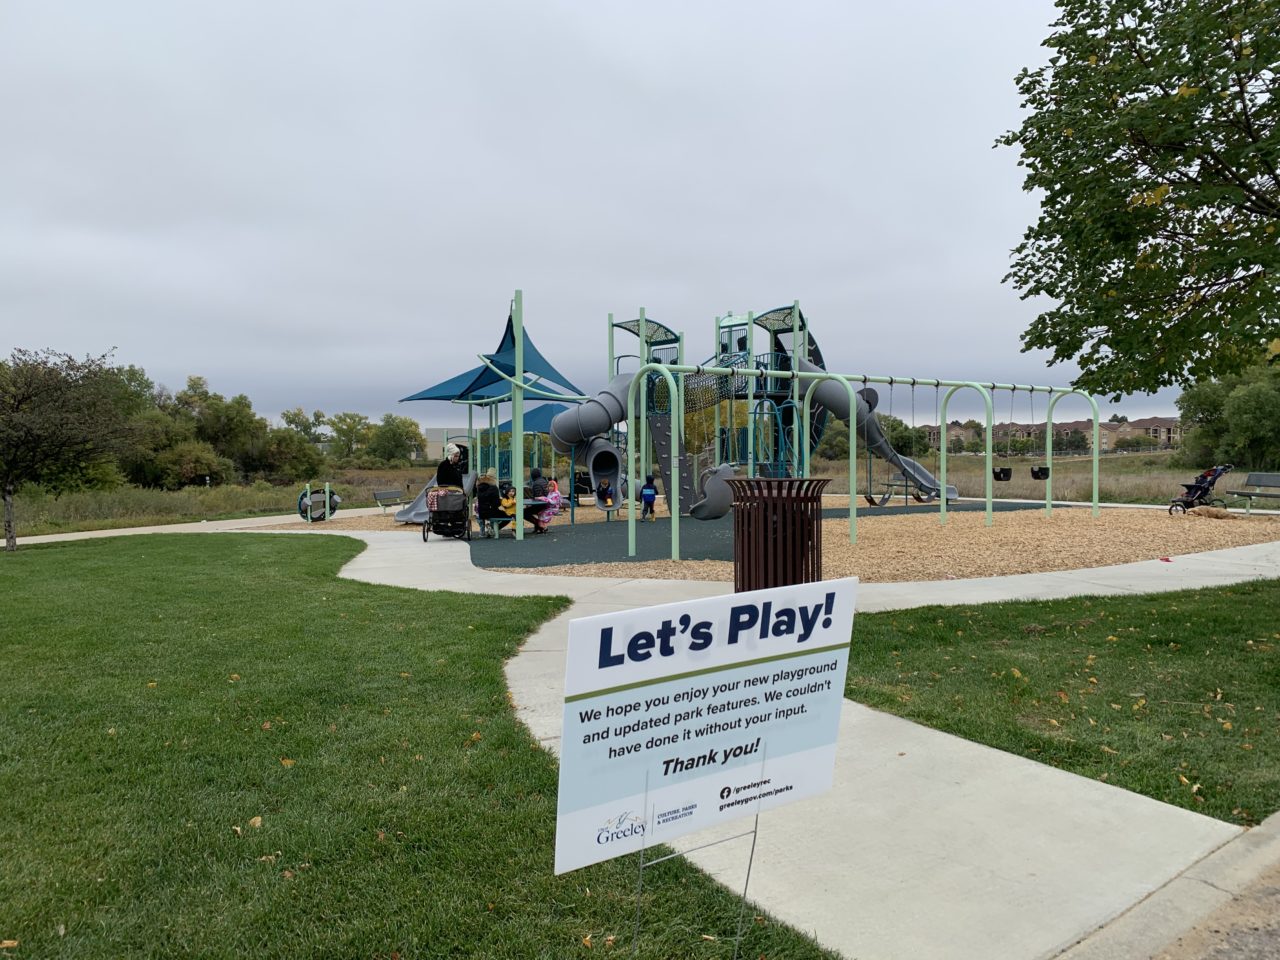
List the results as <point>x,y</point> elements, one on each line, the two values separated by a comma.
<point>538,487</point>
<point>489,505</point>
<point>449,473</point>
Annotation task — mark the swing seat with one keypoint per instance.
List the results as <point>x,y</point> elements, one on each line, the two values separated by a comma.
<point>1002,473</point>
<point>1039,473</point>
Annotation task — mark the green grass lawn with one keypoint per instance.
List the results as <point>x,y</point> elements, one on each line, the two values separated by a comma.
<point>1176,696</point>
<point>210,746</point>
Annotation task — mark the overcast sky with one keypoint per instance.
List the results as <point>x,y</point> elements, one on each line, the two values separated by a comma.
<point>329,204</point>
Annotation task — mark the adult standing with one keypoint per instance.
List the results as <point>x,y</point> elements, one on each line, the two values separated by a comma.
<point>449,472</point>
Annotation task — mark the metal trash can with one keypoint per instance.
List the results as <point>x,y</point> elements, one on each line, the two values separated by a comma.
<point>777,532</point>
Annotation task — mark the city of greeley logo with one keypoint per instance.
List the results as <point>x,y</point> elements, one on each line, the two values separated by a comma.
<point>620,827</point>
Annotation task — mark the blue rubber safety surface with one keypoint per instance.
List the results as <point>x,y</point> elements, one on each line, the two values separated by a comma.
<point>699,539</point>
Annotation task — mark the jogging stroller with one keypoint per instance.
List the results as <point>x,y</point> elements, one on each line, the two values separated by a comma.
<point>1199,492</point>
<point>450,517</point>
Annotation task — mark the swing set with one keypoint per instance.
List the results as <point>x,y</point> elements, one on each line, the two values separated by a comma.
<point>894,483</point>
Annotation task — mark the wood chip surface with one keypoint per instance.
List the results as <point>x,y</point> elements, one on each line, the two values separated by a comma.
<point>917,547</point>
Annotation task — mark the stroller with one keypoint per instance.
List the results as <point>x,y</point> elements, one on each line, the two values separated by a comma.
<point>449,517</point>
<point>1199,492</point>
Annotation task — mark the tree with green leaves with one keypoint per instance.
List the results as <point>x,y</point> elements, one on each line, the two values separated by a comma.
<point>1233,420</point>
<point>60,417</point>
<point>395,438</point>
<point>311,426</point>
<point>1151,136</point>
<point>350,432</point>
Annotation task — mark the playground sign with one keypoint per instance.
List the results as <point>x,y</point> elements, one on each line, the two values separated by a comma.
<point>686,715</point>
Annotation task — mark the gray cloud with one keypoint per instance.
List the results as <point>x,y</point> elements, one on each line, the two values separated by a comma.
<point>329,204</point>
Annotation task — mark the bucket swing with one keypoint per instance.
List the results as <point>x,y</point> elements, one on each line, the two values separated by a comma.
<point>1005,473</point>
<point>1040,472</point>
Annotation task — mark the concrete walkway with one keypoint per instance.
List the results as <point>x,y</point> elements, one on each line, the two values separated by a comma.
<point>928,846</point>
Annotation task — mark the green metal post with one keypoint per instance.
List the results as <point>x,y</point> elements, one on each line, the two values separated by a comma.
<point>942,453</point>
<point>673,495</point>
<point>517,414</point>
<point>716,353</point>
<point>308,494</point>
<point>643,435</point>
<point>473,452</point>
<point>609,375</point>
<point>680,381</point>
<point>853,441</point>
<point>797,351</point>
<point>1048,446</point>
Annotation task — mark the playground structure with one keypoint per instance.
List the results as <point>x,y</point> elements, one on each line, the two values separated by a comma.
<point>768,408</point>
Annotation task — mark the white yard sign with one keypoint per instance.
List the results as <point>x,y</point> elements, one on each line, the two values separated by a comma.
<point>682,716</point>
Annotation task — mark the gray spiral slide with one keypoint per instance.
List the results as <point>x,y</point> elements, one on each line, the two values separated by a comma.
<point>717,498</point>
<point>835,398</point>
<point>580,431</point>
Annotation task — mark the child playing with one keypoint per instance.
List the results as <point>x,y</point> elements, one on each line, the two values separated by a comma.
<point>508,501</point>
<point>649,497</point>
<point>604,493</point>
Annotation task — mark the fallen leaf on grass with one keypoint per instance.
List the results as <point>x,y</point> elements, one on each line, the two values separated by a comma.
<point>288,874</point>
<point>1106,749</point>
<point>235,677</point>
<point>151,684</point>
<point>1183,780</point>
<point>266,724</point>
<point>237,831</point>
<point>286,762</point>
<point>8,944</point>
<point>708,937</point>
<point>255,822</point>
<point>586,941</point>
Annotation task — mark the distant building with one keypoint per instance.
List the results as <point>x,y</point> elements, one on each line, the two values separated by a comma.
<point>1165,431</point>
<point>436,438</point>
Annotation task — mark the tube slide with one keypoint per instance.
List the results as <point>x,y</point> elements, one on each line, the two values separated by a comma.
<point>835,398</point>
<point>717,498</point>
<point>578,431</point>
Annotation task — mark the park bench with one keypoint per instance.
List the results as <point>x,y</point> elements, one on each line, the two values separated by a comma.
<point>389,498</point>
<point>1265,486</point>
